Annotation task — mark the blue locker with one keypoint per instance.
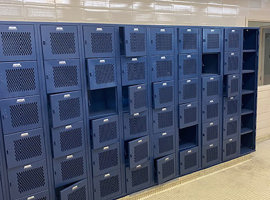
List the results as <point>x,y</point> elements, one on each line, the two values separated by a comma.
<point>163,94</point>
<point>210,110</point>
<point>137,98</point>
<point>60,41</point>
<point>189,160</point>
<point>212,40</point>
<point>162,68</point>
<point>37,196</point>
<point>232,106</point>
<point>232,63</point>
<point>68,139</point>
<point>21,114</point>
<point>188,114</point>
<point>232,85</point>
<point>231,148</point>
<point>233,38</point>
<point>210,132</point>
<point>99,41</point>
<point>188,90</point>
<point>163,119</point>
<point>210,87</point>
<point>189,40</point>
<point>66,108</point>
<point>101,73</point>
<point>231,127</point>
<point>19,79</point>
<point>62,75</point>
<point>188,65</point>
<point>211,154</point>
<point>163,144</point>
<point>77,191</point>
<point>165,168</point>
<point>17,42</point>
<point>1,188</point>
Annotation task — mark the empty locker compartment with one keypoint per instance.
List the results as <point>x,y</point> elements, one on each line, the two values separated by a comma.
<point>20,114</point>
<point>105,131</point>
<point>210,87</point>
<point>231,106</point>
<point>17,42</point>
<point>60,41</point>
<point>231,148</point>
<point>37,196</point>
<point>163,119</point>
<point>247,123</point>
<point>188,90</point>
<point>68,139</point>
<point>210,132</point>
<point>163,94</point>
<point>248,143</point>
<point>99,41</point>
<point>135,125</point>
<point>189,161</point>
<point>189,40</point>
<point>101,73</point>
<point>231,127</point>
<point>62,75</point>
<point>165,168</point>
<point>211,63</point>
<point>163,144</point>
<point>162,40</point>
<point>250,39</point>
<point>24,147</point>
<point>77,191</point>
<point>233,38</point>
<point>248,83</point>
<point>106,159</point>
<point>69,169</point>
<point>188,65</point>
<point>134,70</point>
<point>107,186</point>
<point>66,108</point>
<point>211,110</point>
<point>188,137</point>
<point>18,79</point>
<point>27,180</point>
<point>188,114</point>
<point>250,62</point>
<point>232,63</point>
<point>138,151</point>
<point>162,68</point>
<point>232,85</point>
<point>211,154</point>
<point>248,104</point>
<point>212,40</point>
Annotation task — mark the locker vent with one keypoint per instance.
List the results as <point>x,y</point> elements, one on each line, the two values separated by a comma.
<point>101,42</point>
<point>212,41</point>
<point>108,159</point>
<point>190,160</point>
<point>234,86</point>
<point>165,119</point>
<point>104,73</point>
<point>137,125</point>
<point>212,133</point>
<point>140,99</point>
<point>137,42</point>
<point>72,168</point>
<point>63,43</point>
<point>234,40</point>
<point>71,139</point>
<point>233,63</point>
<point>190,115</point>
<point>212,111</point>
<point>69,109</point>
<point>166,94</point>
<point>107,132</point>
<point>165,144</point>
<point>232,107</point>
<point>79,194</point>
<point>139,176</point>
<point>109,186</point>
<point>190,91</point>
<point>164,68</point>
<point>163,42</point>
<point>168,168</point>
<point>232,128</point>
<point>212,88</point>
<point>189,66</point>
<point>231,148</point>
<point>141,152</point>
<point>212,154</point>
<point>189,41</point>
<point>136,71</point>
<point>65,76</point>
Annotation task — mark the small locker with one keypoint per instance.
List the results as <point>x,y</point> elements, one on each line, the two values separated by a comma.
<point>163,144</point>
<point>189,40</point>
<point>233,38</point>
<point>210,87</point>
<point>37,196</point>
<point>232,85</point>
<point>188,65</point>
<point>231,127</point>
<point>211,154</point>
<point>188,114</point>
<point>137,98</point>
<point>212,40</point>
<point>165,168</point>
<point>231,148</point>
<point>231,106</point>
<point>211,110</point>
<point>188,90</point>
<point>162,68</point>
<point>163,119</point>
<point>189,161</point>
<point>163,94</point>
<point>210,132</point>
<point>232,63</point>
<point>77,191</point>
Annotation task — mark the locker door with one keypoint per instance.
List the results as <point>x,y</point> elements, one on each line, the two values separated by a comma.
<point>232,63</point>
<point>189,40</point>
<point>77,191</point>
<point>211,154</point>
<point>211,132</point>
<point>233,39</point>
<point>231,106</point>
<point>188,114</point>
<point>162,68</point>
<point>188,90</point>
<point>211,87</point>
<point>231,127</point>
<point>37,196</point>
<point>231,148</point>
<point>188,65</point>
<point>163,94</point>
<point>165,168</point>
<point>210,110</point>
<point>163,119</point>
<point>137,98</point>
<point>189,161</point>
<point>233,85</point>
<point>163,144</point>
<point>212,40</point>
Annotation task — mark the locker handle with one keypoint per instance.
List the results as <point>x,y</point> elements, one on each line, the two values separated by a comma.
<point>30,198</point>
<point>12,28</point>
<point>69,157</point>
<point>74,188</point>
<point>107,175</point>
<point>139,141</point>
<point>20,100</point>
<point>27,166</point>
<point>163,134</point>
<point>24,134</point>
<point>166,159</point>
<point>106,120</point>
<point>68,127</point>
<point>138,166</point>
<point>16,65</point>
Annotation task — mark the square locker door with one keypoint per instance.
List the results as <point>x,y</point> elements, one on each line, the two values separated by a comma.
<point>233,85</point>
<point>135,125</point>
<point>232,63</point>
<point>162,41</point>
<point>77,191</point>
<point>231,148</point>
<point>189,161</point>
<point>135,41</point>
<point>212,40</point>
<point>163,119</point>
<point>17,42</point>
<point>60,41</point>
<point>189,40</point>
<point>163,144</point>
<point>188,65</point>
<point>137,98</point>
<point>210,87</point>
<point>134,70</point>
<point>62,75</point>
<point>105,131</point>
<point>66,108</point>
<point>69,169</point>
<point>231,127</point>
<point>18,79</point>
<point>188,90</point>
<point>107,186</point>
<point>162,68</point>
<point>232,106</point>
<point>101,73</point>
<point>28,179</point>
<point>24,148</point>
<point>139,177</point>
<point>68,139</point>
<point>37,196</point>
<point>165,168</point>
<point>138,151</point>
<point>211,154</point>
<point>163,94</point>
<point>106,159</point>
<point>233,39</point>
<point>99,41</point>
<point>188,114</point>
<point>21,114</point>
<point>210,132</point>
<point>210,110</point>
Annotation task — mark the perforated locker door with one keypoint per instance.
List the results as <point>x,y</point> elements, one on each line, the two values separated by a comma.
<point>231,148</point>
<point>162,68</point>
<point>163,119</point>
<point>37,196</point>
<point>232,63</point>
<point>135,40</point>
<point>66,108</point>
<point>138,151</point>
<point>231,127</point>
<point>134,70</point>
<point>188,90</point>
<point>68,139</point>
<point>188,65</point>
<point>137,98</point>
<point>162,41</point>
<point>107,186</point>
<point>188,114</point>
<point>101,73</point>
<point>135,125</point>
<point>24,147</point>
<point>212,40</point>
<point>210,132</point>
<point>211,110</point>
<point>165,168</point>
<point>163,94</point>
<point>233,85</point>
<point>62,75</point>
<point>99,41</point>
<point>69,169</point>
<point>163,144</point>
<point>18,79</point>
<point>60,41</point>
<point>210,87</point>
<point>232,106</point>
<point>233,37</point>
<point>106,159</point>
<point>20,114</point>
<point>189,161</point>
<point>211,154</point>
<point>17,42</point>
<point>77,191</point>
<point>28,179</point>
<point>189,40</point>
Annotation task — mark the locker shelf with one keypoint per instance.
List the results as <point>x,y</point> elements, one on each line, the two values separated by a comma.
<point>244,92</point>
<point>246,111</point>
<point>249,51</point>
<point>246,131</point>
<point>247,123</point>
<point>247,143</point>
<point>248,103</point>
<point>250,39</point>
<point>188,137</point>
<point>245,71</point>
